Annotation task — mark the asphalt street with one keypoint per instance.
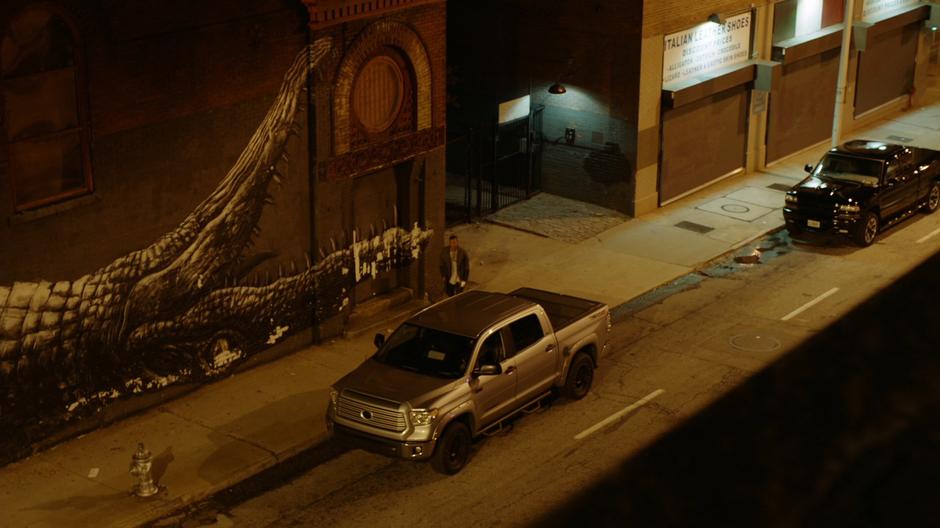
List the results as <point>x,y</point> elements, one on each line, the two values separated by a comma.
<point>673,353</point>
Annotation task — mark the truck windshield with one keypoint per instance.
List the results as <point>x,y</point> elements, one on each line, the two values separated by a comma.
<point>845,168</point>
<point>427,351</point>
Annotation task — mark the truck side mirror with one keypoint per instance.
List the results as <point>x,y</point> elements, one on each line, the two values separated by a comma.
<point>379,340</point>
<point>488,370</point>
<point>808,167</point>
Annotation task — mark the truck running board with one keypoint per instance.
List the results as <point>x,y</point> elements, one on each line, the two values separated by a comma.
<point>905,215</point>
<point>529,408</point>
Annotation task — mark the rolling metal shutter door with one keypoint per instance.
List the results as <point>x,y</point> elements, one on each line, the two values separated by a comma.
<point>801,106</point>
<point>703,141</point>
<point>886,68</point>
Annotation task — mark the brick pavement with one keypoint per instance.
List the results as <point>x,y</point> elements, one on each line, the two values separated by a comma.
<point>559,218</point>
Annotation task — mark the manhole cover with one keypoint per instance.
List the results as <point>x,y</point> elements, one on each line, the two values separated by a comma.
<point>754,342</point>
<point>735,208</point>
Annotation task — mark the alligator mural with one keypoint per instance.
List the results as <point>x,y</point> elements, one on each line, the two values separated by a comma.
<point>181,309</point>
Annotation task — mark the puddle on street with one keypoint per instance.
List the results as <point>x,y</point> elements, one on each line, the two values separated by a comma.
<point>758,252</point>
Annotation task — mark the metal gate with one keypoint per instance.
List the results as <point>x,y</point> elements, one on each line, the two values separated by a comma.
<point>493,167</point>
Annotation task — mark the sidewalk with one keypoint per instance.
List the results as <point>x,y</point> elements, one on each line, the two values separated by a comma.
<point>232,429</point>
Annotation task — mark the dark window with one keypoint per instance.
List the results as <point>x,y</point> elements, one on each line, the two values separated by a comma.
<point>45,137</point>
<point>492,351</point>
<point>526,331</point>
<point>905,159</point>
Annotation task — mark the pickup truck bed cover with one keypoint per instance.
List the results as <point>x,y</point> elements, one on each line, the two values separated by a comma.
<point>562,309</point>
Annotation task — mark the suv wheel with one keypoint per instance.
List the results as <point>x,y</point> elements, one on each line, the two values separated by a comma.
<point>866,230</point>
<point>933,198</point>
<point>453,449</point>
<point>580,377</point>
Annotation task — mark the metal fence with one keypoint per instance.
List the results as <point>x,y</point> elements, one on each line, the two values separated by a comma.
<point>492,167</point>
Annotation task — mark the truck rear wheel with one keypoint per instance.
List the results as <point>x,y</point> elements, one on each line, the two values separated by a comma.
<point>580,377</point>
<point>453,449</point>
<point>933,198</point>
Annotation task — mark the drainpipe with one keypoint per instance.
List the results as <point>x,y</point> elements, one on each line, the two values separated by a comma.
<point>310,105</point>
<point>843,72</point>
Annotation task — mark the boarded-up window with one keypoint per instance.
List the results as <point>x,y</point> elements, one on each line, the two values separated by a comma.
<point>45,137</point>
<point>377,93</point>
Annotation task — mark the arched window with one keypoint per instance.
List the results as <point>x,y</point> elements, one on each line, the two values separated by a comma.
<point>44,116</point>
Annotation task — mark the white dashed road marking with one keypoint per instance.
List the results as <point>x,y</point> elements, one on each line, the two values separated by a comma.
<point>924,238</point>
<point>808,305</point>
<point>617,415</point>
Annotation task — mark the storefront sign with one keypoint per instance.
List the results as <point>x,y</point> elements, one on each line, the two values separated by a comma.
<point>874,8</point>
<point>706,47</point>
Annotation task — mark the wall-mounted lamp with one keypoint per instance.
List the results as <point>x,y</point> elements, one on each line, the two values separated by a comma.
<point>716,18</point>
<point>557,89</point>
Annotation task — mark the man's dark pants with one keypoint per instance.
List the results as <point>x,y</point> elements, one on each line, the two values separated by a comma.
<point>452,289</point>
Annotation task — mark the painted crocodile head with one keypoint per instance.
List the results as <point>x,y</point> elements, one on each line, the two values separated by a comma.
<point>180,308</point>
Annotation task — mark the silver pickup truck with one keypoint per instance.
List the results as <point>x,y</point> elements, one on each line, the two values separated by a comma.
<point>460,368</point>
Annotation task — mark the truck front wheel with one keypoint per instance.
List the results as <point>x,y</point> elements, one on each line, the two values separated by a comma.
<point>580,377</point>
<point>453,449</point>
<point>866,230</point>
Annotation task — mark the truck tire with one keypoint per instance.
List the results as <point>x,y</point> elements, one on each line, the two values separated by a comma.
<point>866,230</point>
<point>453,449</point>
<point>580,377</point>
<point>933,198</point>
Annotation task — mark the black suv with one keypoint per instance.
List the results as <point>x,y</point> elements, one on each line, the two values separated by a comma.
<point>860,187</point>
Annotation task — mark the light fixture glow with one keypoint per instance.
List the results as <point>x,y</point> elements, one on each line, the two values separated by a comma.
<point>557,89</point>
<point>808,17</point>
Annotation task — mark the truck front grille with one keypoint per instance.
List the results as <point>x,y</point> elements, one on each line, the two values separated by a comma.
<point>370,411</point>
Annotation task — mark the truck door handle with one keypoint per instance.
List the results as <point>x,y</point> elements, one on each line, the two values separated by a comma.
<point>510,370</point>
<point>549,347</point>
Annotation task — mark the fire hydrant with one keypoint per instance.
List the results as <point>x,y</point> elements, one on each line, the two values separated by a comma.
<point>140,468</point>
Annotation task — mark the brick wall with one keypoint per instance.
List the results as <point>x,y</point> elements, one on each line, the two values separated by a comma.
<point>174,99</point>
<point>420,34</point>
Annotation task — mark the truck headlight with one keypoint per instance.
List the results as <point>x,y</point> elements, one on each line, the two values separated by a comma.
<point>790,199</point>
<point>423,416</point>
<point>334,395</point>
<point>849,208</point>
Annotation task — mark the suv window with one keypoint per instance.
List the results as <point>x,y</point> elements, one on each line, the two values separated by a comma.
<point>526,332</point>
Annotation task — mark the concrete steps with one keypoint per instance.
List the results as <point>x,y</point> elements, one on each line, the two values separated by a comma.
<point>383,312</point>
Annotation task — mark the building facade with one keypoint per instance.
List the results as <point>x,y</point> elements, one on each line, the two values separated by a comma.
<point>665,97</point>
<point>762,83</point>
<point>187,185</point>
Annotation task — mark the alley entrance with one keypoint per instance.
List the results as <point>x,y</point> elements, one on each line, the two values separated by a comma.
<point>492,167</point>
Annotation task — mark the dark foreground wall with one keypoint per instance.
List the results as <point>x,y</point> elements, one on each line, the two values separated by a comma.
<point>843,431</point>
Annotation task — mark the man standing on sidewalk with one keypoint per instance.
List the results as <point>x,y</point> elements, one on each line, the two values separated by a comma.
<point>455,267</point>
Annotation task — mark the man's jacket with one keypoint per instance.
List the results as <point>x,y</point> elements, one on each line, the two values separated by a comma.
<point>463,264</point>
